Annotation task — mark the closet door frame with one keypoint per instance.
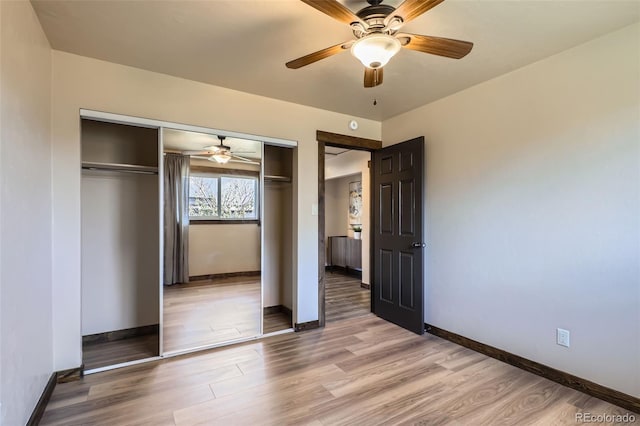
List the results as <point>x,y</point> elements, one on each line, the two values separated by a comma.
<point>161,125</point>
<point>161,242</point>
<point>261,204</point>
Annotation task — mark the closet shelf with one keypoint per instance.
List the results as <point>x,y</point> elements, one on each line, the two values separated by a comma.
<point>277,178</point>
<point>119,167</point>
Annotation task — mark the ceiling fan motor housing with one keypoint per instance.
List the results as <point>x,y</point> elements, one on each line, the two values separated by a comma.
<point>377,9</point>
<point>375,14</point>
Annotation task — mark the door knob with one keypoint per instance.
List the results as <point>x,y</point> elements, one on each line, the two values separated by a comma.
<point>418,245</point>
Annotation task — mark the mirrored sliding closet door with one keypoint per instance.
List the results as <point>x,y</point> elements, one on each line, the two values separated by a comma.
<point>212,291</point>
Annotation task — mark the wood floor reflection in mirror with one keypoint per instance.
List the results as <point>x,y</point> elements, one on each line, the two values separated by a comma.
<point>212,311</point>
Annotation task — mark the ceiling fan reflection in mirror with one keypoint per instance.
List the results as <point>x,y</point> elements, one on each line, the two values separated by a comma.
<point>376,28</point>
<point>220,153</point>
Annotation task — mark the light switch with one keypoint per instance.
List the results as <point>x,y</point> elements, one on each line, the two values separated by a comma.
<point>314,209</point>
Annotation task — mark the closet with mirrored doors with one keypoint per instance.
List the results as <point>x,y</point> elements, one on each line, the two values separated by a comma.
<point>186,239</point>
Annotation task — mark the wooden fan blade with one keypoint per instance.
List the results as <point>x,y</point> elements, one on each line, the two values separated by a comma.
<point>448,47</point>
<point>411,9</point>
<point>373,77</point>
<point>333,9</point>
<point>201,152</point>
<point>320,54</point>
<point>245,159</point>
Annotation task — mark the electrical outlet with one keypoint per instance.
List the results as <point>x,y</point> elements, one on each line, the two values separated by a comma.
<point>562,337</point>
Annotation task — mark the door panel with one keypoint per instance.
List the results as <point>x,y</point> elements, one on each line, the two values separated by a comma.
<point>386,165</point>
<point>386,275</point>
<point>406,280</point>
<point>406,161</point>
<point>386,210</point>
<point>407,208</point>
<point>397,287</point>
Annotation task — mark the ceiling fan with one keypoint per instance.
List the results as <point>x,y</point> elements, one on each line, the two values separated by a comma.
<point>220,153</point>
<point>376,28</point>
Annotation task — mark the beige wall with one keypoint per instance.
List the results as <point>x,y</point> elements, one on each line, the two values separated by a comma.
<point>80,82</point>
<point>120,246</point>
<point>336,193</point>
<point>220,248</point>
<point>26,359</point>
<point>276,271</point>
<point>286,247</point>
<point>532,211</point>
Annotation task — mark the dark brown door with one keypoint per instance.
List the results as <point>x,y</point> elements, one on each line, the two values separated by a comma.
<point>397,290</point>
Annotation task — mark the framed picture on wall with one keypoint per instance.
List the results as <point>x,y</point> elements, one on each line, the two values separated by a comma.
<point>355,202</point>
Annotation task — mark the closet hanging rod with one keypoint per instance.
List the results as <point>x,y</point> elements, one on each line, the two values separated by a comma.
<point>117,167</point>
<point>104,169</point>
<point>274,178</point>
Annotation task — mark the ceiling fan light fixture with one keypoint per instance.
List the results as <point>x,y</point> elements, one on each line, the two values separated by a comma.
<point>221,157</point>
<point>375,50</point>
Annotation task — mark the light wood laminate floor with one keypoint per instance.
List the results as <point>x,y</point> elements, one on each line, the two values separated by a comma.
<point>344,298</point>
<point>276,321</point>
<point>360,371</point>
<point>102,354</point>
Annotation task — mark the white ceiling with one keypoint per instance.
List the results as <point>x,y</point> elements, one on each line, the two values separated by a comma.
<point>331,152</point>
<point>181,140</point>
<point>244,44</point>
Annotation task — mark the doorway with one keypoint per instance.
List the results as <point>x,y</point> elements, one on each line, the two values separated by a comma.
<point>340,142</point>
<point>347,214</point>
